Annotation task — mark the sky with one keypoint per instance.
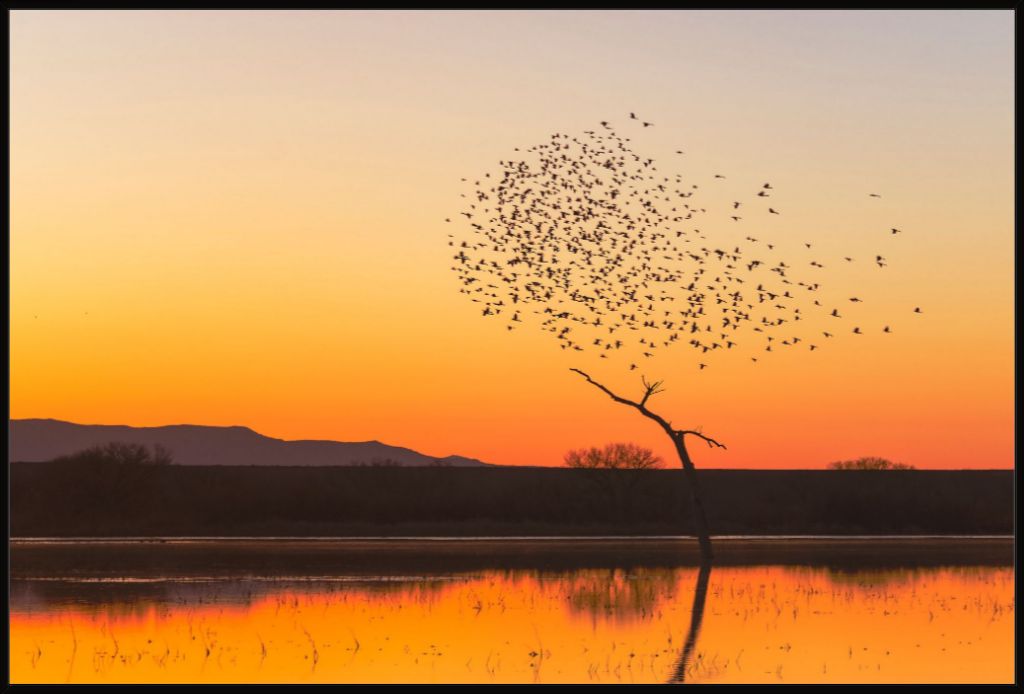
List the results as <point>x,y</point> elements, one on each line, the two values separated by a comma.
<point>238,218</point>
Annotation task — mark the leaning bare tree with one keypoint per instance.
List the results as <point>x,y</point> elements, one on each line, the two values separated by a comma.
<point>678,437</point>
<point>592,242</point>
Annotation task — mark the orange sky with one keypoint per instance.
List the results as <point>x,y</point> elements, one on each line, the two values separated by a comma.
<point>238,218</point>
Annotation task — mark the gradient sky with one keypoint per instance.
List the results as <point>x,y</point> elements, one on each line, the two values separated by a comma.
<point>238,218</point>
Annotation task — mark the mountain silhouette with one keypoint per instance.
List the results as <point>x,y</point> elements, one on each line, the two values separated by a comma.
<point>37,440</point>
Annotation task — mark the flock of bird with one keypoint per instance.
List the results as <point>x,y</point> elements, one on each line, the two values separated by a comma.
<point>607,253</point>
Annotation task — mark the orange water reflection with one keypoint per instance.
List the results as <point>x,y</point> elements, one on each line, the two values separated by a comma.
<point>760,624</point>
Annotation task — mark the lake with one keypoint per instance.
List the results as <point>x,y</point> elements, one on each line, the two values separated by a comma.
<point>609,610</point>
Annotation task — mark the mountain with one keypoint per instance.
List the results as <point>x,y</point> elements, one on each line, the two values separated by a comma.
<point>36,440</point>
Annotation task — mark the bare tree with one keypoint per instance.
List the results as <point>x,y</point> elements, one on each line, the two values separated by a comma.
<point>616,469</point>
<point>678,437</point>
<point>614,456</point>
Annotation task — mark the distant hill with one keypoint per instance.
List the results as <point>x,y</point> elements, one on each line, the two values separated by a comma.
<point>37,440</point>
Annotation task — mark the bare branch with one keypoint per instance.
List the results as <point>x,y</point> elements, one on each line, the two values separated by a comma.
<point>651,389</point>
<point>710,441</point>
<point>610,394</point>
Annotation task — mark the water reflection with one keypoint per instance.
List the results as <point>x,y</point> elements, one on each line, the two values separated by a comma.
<point>700,596</point>
<point>682,624</point>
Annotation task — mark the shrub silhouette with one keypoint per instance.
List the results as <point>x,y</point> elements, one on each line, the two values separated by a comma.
<point>614,456</point>
<point>868,464</point>
<point>118,453</point>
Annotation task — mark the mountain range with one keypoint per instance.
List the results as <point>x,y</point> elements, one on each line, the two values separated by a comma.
<point>37,440</point>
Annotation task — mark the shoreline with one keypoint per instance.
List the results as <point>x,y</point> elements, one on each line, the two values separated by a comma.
<point>236,558</point>
<point>159,539</point>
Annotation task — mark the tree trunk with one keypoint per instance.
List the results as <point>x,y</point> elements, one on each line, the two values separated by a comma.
<point>700,521</point>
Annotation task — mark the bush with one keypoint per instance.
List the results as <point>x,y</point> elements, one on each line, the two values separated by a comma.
<point>868,464</point>
<point>117,453</point>
<point>614,456</point>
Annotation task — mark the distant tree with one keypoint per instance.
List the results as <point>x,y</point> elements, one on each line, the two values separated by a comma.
<point>121,476</point>
<point>384,462</point>
<point>869,464</point>
<point>613,456</point>
<point>118,453</point>
<point>615,469</point>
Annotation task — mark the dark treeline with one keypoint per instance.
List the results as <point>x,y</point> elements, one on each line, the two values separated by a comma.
<point>62,500</point>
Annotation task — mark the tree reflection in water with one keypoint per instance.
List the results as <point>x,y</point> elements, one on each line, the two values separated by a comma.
<point>696,616</point>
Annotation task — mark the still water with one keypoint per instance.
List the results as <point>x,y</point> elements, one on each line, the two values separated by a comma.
<point>596,622</point>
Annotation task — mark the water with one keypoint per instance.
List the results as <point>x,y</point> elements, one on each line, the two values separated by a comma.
<point>505,611</point>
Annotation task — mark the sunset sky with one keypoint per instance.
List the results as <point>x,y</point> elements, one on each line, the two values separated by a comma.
<point>238,218</point>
